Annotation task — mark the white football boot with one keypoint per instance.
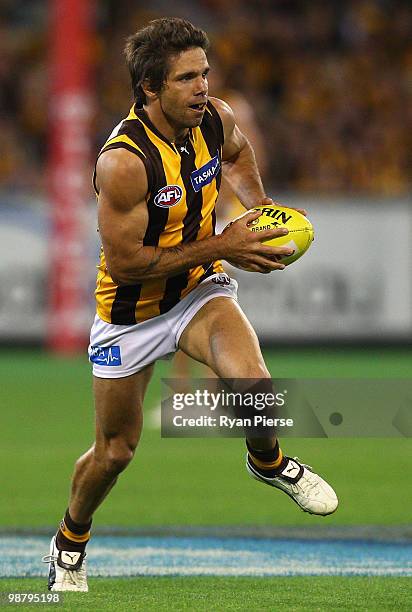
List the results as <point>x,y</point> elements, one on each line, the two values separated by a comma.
<point>67,569</point>
<point>298,480</point>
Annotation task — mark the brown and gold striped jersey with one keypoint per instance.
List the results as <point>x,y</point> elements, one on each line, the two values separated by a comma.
<point>184,183</point>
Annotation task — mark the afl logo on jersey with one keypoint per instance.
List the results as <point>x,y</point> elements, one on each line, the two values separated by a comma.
<point>168,196</point>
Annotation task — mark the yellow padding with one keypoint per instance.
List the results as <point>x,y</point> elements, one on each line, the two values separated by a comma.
<point>75,537</point>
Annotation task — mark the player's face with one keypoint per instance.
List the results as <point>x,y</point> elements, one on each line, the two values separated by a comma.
<point>184,95</point>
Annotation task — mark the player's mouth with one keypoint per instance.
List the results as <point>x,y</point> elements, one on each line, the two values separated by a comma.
<point>198,108</point>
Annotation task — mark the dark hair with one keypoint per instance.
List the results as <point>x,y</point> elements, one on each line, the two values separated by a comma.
<point>149,50</point>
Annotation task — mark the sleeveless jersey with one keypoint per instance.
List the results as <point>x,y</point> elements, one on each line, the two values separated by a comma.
<point>184,183</point>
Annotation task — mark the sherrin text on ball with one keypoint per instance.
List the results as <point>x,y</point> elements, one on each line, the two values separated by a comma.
<point>300,235</point>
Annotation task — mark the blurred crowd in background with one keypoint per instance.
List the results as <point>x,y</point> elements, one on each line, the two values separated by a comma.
<point>326,85</point>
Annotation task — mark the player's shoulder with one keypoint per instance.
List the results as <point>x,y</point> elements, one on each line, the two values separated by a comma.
<point>224,110</point>
<point>120,169</point>
<point>226,116</point>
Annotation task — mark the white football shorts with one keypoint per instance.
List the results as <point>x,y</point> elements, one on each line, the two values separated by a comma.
<point>121,350</point>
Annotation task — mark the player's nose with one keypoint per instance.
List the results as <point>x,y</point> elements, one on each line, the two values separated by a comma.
<point>201,87</point>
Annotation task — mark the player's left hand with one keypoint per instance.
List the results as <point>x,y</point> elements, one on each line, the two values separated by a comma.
<point>270,202</point>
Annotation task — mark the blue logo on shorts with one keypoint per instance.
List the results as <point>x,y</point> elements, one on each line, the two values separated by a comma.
<point>106,355</point>
<point>205,175</point>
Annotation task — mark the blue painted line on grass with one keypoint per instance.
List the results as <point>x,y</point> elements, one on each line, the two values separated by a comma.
<point>170,556</point>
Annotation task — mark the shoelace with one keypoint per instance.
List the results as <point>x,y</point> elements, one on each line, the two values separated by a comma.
<point>305,465</point>
<point>76,576</point>
<point>309,485</point>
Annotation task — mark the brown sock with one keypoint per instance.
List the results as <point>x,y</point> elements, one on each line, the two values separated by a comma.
<point>71,535</point>
<point>269,462</point>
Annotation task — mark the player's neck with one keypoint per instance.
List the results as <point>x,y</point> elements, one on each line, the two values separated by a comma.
<point>161,123</point>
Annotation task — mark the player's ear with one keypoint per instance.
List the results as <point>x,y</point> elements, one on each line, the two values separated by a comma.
<point>151,95</point>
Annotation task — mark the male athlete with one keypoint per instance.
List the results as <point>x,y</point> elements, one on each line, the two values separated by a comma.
<point>161,285</point>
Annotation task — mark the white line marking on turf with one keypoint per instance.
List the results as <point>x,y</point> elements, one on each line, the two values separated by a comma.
<point>167,556</point>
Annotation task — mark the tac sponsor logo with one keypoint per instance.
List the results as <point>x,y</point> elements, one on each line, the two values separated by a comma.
<point>205,175</point>
<point>106,355</point>
<point>168,196</point>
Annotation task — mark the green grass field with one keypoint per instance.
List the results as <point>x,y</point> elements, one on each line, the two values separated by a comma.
<point>46,421</point>
<point>225,594</point>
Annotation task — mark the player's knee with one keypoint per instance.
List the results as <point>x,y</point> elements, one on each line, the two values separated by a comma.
<point>258,371</point>
<point>118,455</point>
<point>250,369</point>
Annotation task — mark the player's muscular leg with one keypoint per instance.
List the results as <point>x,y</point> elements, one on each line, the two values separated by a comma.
<point>220,336</point>
<point>119,419</point>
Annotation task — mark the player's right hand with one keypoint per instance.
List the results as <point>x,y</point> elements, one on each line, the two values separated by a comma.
<point>244,249</point>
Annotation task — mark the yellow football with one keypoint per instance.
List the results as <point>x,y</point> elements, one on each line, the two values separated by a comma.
<point>300,234</point>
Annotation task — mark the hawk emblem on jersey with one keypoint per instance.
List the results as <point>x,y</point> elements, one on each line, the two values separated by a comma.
<point>168,196</point>
<point>205,175</point>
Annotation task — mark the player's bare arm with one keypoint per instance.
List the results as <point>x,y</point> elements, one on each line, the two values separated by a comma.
<point>239,162</point>
<point>238,157</point>
<point>123,219</point>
